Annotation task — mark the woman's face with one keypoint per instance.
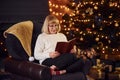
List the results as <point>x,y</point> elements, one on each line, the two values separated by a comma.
<point>52,28</point>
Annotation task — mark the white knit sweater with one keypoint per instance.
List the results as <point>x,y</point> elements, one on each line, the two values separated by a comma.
<point>45,44</point>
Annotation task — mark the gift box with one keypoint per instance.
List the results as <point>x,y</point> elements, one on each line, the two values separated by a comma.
<point>96,73</point>
<point>114,76</point>
<point>112,57</point>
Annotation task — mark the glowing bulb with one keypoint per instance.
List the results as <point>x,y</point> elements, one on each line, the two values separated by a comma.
<point>81,39</point>
<point>95,7</point>
<point>1,43</point>
<point>116,24</point>
<point>97,39</point>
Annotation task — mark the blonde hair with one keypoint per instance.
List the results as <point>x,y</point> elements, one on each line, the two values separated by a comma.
<point>48,20</point>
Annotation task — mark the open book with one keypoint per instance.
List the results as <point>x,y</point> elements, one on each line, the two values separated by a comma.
<point>65,47</point>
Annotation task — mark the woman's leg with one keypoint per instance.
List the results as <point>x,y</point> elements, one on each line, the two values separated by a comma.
<point>64,61</point>
<point>76,66</point>
<point>48,62</point>
<point>61,62</point>
<point>87,66</point>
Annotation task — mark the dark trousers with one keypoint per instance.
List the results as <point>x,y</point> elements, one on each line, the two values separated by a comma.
<point>69,62</point>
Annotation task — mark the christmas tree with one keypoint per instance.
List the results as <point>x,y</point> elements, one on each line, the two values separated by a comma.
<point>95,22</point>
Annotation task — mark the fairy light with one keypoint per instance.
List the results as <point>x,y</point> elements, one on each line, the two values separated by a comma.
<point>71,24</point>
<point>58,7</point>
<point>2,45</point>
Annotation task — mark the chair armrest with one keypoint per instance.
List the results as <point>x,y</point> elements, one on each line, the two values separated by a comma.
<point>27,69</point>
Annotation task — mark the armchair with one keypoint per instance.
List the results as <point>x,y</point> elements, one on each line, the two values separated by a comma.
<point>20,42</point>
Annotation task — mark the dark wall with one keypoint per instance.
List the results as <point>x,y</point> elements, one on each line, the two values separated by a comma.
<point>14,11</point>
<point>19,10</point>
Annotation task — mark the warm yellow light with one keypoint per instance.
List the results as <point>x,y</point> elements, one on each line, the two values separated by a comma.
<point>53,5</point>
<point>81,32</point>
<point>116,24</point>
<point>81,39</point>
<point>94,32</point>
<point>97,39</point>
<point>50,10</point>
<point>56,14</point>
<point>95,7</point>
<point>98,48</point>
<point>84,34</point>
<point>67,32</point>
<point>110,16</point>
<point>77,29</point>
<point>110,4</point>
<point>50,3</point>
<point>117,50</point>
<point>53,12</point>
<point>103,48</point>
<point>1,43</point>
<point>119,33</point>
<point>65,28</point>
<point>106,47</point>
<point>109,41</point>
<point>60,21</point>
<point>106,37</point>
<point>102,36</point>
<point>60,13</point>
<point>101,28</point>
<point>73,3</point>
<point>103,51</point>
<point>56,6</point>
<point>113,50</point>
<point>93,26</point>
<point>68,29</point>
<point>5,49</point>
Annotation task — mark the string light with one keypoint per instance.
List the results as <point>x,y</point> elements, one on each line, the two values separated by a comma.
<point>84,19</point>
<point>58,8</point>
<point>2,45</point>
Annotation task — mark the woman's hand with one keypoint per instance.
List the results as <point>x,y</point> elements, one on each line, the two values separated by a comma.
<point>54,54</point>
<point>73,50</point>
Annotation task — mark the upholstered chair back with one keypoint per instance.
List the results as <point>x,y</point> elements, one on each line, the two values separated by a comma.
<point>21,38</point>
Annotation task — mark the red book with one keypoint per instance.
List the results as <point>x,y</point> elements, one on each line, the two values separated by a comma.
<point>65,47</point>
